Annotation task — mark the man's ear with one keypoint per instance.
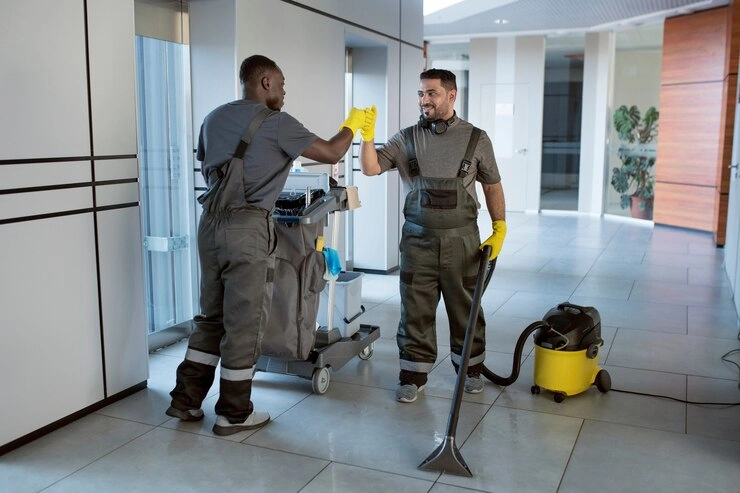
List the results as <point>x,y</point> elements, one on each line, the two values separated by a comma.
<point>265,82</point>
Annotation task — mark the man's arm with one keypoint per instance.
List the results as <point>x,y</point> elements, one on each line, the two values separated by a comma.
<point>331,151</point>
<point>494,195</point>
<point>369,158</point>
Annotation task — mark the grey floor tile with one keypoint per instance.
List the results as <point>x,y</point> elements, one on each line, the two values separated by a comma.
<point>721,323</point>
<point>717,421</point>
<point>640,315</point>
<point>641,272</point>
<point>148,405</point>
<point>513,451</point>
<point>528,305</point>
<point>167,460</point>
<point>706,277</point>
<point>385,316</point>
<point>341,478</point>
<point>672,353</point>
<point>684,294</point>
<point>618,458</point>
<point>366,427</point>
<point>573,266</point>
<point>55,456</point>
<point>605,287</point>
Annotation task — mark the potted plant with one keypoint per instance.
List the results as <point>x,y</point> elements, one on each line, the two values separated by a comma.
<point>634,179</point>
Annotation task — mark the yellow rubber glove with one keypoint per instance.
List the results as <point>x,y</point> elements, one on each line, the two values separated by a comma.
<point>496,240</point>
<point>354,121</point>
<point>368,129</point>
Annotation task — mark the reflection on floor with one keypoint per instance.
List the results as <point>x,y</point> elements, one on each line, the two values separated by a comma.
<point>559,199</point>
<point>667,320</point>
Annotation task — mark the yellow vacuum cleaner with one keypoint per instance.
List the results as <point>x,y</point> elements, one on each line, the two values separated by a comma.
<point>566,352</point>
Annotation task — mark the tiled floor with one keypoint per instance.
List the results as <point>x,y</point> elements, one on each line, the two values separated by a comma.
<point>667,319</point>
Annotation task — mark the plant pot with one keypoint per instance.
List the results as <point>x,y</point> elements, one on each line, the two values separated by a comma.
<point>641,212</point>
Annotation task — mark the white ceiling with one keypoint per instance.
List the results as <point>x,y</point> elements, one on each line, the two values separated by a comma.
<point>484,18</point>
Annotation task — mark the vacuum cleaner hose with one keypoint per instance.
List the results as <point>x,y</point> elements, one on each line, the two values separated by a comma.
<point>497,379</point>
<point>506,381</point>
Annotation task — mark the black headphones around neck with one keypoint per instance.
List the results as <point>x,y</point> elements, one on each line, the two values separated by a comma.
<point>437,126</point>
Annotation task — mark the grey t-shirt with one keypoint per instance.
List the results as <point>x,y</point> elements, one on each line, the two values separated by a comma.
<point>440,156</point>
<point>278,141</point>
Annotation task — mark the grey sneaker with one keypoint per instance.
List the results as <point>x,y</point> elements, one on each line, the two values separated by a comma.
<point>407,392</point>
<point>255,420</point>
<point>189,415</point>
<point>473,384</point>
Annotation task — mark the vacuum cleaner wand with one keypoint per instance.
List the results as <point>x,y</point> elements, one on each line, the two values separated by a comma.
<point>447,457</point>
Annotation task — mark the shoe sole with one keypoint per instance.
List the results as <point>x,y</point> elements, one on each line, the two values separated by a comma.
<point>182,415</point>
<point>473,391</point>
<point>231,430</point>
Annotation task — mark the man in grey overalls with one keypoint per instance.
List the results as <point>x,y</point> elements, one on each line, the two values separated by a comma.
<point>439,161</point>
<point>247,148</point>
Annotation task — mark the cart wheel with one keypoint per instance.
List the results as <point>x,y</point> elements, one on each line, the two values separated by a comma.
<point>367,351</point>
<point>559,397</point>
<point>320,380</point>
<point>535,389</point>
<point>603,381</point>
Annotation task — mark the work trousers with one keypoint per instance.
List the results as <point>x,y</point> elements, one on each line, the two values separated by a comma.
<point>435,262</point>
<point>237,260</point>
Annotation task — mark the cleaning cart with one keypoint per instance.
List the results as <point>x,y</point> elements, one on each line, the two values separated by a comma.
<point>295,343</point>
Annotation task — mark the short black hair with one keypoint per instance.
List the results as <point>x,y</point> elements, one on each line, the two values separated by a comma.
<point>254,68</point>
<point>446,78</point>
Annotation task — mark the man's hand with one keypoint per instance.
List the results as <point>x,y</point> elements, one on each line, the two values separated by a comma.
<point>368,128</point>
<point>354,121</point>
<point>496,240</point>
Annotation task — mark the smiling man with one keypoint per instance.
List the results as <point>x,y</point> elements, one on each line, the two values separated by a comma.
<point>439,160</point>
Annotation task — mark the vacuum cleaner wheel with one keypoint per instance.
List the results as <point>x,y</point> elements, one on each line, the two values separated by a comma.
<point>603,381</point>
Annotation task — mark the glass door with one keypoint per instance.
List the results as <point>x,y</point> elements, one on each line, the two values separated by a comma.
<point>561,128</point>
<point>165,151</point>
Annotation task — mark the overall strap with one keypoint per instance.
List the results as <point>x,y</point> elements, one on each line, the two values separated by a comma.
<point>250,131</point>
<point>408,134</point>
<point>467,160</point>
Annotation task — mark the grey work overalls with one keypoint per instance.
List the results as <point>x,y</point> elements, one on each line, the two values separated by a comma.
<point>439,255</point>
<point>236,247</point>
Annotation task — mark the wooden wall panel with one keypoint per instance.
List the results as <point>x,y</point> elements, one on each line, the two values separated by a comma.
<point>697,113</point>
<point>686,206</point>
<point>695,47</point>
<point>721,202</point>
<point>688,141</point>
<point>733,50</point>
<point>728,125</point>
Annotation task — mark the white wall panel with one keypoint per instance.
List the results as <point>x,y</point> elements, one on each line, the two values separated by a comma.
<point>310,54</point>
<point>122,287</point>
<point>43,86</point>
<point>112,76</point>
<point>50,357</point>
<point>44,174</point>
<point>116,169</point>
<point>412,21</point>
<point>123,193</point>
<point>46,202</point>
<point>213,66</point>
<point>379,15</point>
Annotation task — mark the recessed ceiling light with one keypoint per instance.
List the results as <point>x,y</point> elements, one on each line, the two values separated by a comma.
<point>501,21</point>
